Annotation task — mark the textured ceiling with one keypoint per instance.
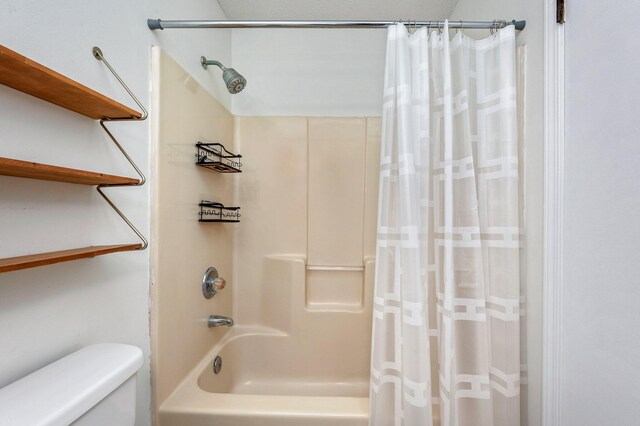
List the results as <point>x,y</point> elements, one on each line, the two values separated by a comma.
<point>337,9</point>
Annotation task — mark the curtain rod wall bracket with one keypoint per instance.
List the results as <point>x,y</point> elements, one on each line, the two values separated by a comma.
<point>154,24</point>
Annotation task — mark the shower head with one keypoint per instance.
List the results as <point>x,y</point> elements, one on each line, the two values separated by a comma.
<point>233,79</point>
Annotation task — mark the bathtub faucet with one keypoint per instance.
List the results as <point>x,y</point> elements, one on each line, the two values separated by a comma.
<point>219,321</point>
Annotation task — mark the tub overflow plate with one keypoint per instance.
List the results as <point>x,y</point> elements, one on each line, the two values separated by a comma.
<point>217,364</point>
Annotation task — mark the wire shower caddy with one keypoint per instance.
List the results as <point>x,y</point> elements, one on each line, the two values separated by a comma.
<point>216,157</point>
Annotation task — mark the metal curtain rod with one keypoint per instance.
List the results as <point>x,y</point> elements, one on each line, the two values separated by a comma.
<point>159,24</point>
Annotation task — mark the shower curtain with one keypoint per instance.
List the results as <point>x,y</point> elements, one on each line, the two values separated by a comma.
<point>446,326</point>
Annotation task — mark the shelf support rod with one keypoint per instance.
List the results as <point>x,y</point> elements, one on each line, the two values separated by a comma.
<point>97,53</point>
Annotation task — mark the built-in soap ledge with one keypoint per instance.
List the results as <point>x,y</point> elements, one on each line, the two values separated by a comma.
<point>332,288</point>
<point>334,268</point>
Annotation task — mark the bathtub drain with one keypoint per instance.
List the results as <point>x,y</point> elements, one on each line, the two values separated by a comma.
<point>217,364</point>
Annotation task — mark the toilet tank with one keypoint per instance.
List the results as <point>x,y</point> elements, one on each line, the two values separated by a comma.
<point>93,386</point>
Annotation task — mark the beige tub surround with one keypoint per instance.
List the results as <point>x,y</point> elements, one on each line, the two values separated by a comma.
<point>309,188</point>
<point>272,191</point>
<point>182,248</point>
<point>299,264</point>
<point>335,189</point>
<point>317,338</point>
<point>304,251</point>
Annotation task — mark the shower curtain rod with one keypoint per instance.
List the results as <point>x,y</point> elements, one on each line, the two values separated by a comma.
<point>159,24</point>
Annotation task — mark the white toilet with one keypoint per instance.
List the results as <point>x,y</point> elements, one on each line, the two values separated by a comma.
<point>94,386</point>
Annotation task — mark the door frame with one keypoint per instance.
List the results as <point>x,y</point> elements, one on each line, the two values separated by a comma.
<point>553,217</point>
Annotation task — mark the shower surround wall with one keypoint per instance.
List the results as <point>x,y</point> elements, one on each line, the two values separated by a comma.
<point>299,265</point>
<point>302,283</point>
<point>308,191</point>
<point>303,253</point>
<point>182,248</point>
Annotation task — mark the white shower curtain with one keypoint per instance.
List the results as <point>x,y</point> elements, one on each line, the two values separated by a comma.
<point>446,327</point>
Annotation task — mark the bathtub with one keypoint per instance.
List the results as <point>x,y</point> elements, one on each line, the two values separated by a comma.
<point>267,380</point>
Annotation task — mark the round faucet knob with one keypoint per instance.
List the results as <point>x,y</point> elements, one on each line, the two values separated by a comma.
<point>212,283</point>
<point>218,283</point>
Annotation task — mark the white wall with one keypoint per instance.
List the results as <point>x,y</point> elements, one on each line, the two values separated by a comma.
<point>600,316</point>
<point>309,72</point>
<point>48,312</point>
<point>532,38</point>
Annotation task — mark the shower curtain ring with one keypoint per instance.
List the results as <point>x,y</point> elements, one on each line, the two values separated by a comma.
<point>461,27</point>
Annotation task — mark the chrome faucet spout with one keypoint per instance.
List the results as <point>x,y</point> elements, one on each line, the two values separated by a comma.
<point>219,321</point>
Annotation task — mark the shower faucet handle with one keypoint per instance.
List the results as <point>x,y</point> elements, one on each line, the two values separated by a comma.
<point>218,283</point>
<point>212,283</point>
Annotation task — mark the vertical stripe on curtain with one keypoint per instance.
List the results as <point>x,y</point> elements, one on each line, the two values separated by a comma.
<point>446,326</point>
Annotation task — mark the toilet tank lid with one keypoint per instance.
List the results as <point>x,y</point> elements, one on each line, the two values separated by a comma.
<point>63,391</point>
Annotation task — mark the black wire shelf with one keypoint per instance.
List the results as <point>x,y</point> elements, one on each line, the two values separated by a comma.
<point>211,211</point>
<point>216,157</point>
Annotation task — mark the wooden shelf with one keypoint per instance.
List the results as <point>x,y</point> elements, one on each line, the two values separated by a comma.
<point>41,259</point>
<point>32,78</point>
<point>27,169</point>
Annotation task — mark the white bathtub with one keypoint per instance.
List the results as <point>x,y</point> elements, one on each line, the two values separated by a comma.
<point>269,379</point>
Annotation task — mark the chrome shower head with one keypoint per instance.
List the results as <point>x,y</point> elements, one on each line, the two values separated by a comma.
<point>233,79</point>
